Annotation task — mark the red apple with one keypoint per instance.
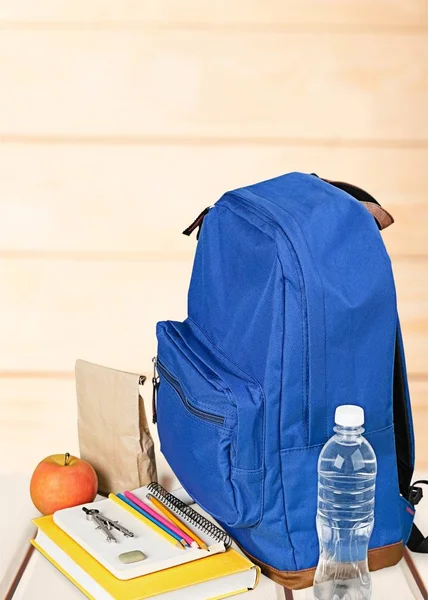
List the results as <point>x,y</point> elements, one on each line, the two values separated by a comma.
<point>60,481</point>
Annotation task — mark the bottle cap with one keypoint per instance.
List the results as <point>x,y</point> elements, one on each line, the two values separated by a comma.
<point>349,415</point>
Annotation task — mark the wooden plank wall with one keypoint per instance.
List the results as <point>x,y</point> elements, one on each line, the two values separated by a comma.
<point>121,120</point>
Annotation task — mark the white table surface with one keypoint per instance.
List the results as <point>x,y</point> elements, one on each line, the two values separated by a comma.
<point>41,581</point>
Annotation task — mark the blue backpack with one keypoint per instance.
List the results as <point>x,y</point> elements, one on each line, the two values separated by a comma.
<point>292,312</point>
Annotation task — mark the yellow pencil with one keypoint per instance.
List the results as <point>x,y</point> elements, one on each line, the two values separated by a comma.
<point>147,522</point>
<point>172,517</point>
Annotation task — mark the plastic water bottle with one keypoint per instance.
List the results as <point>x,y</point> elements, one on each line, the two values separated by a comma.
<point>345,517</point>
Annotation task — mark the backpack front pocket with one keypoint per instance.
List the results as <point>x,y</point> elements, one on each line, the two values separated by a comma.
<point>210,424</point>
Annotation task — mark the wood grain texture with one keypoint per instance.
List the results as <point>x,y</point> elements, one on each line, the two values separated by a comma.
<point>419,398</point>
<point>223,12</point>
<point>134,201</point>
<point>16,529</point>
<point>394,582</point>
<point>412,293</point>
<point>39,418</point>
<point>17,579</point>
<point>419,585</point>
<point>421,521</point>
<point>193,84</point>
<point>41,575</point>
<point>54,311</point>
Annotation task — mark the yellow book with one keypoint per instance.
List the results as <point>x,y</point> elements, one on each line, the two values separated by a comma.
<point>210,578</point>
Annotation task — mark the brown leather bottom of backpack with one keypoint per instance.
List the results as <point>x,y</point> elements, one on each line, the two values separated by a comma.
<point>379,558</point>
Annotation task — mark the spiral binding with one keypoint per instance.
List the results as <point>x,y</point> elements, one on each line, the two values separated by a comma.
<point>189,514</point>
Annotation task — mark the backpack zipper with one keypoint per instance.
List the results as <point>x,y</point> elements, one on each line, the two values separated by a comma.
<point>217,419</point>
<point>197,223</point>
<point>155,383</point>
<point>268,219</point>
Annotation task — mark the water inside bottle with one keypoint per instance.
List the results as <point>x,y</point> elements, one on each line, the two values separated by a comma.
<point>345,516</point>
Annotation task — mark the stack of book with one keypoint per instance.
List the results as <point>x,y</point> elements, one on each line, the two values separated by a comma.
<point>143,544</point>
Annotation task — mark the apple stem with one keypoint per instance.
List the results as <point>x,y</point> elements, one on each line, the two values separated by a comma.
<point>67,459</point>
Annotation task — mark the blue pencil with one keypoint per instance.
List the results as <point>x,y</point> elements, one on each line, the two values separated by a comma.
<point>152,519</point>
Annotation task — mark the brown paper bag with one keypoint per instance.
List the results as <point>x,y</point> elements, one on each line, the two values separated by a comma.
<point>113,431</point>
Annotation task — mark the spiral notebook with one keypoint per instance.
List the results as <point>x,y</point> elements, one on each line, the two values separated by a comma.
<point>190,516</point>
<point>160,554</point>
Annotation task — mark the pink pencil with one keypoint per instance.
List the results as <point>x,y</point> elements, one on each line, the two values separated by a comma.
<point>161,519</point>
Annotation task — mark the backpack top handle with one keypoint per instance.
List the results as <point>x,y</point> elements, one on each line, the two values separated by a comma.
<point>382,217</point>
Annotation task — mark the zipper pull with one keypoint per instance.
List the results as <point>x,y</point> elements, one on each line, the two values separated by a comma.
<point>197,223</point>
<point>155,382</point>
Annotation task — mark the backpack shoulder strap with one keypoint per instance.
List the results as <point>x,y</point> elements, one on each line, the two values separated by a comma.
<point>403,424</point>
<point>404,444</point>
<point>417,542</point>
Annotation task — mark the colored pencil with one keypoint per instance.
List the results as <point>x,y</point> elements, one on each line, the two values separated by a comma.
<point>137,514</point>
<point>148,509</point>
<point>154,520</point>
<point>177,521</point>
